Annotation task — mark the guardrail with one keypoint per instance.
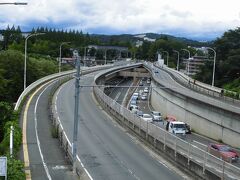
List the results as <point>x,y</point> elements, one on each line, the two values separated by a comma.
<point>197,86</point>
<point>48,78</point>
<point>191,157</point>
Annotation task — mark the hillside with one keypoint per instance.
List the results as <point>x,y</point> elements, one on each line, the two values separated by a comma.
<point>132,38</point>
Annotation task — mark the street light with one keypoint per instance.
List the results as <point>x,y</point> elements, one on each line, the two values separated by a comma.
<point>177,59</point>
<point>105,56</point>
<point>25,59</point>
<point>167,56</point>
<point>14,3</point>
<point>214,64</point>
<point>189,55</point>
<point>60,55</point>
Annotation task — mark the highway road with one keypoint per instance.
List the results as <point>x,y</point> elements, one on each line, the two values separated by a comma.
<point>145,106</point>
<point>41,154</point>
<point>119,92</point>
<point>169,82</point>
<point>106,150</point>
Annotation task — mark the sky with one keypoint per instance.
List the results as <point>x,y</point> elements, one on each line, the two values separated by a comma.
<point>195,19</point>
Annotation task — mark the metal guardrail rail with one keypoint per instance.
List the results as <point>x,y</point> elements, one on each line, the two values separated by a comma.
<point>198,86</point>
<point>162,140</point>
<point>48,78</point>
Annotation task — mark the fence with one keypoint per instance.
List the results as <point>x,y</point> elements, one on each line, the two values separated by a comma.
<point>193,158</point>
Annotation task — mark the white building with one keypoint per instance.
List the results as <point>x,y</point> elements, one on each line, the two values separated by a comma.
<point>1,37</point>
<point>139,43</point>
<point>160,61</point>
<point>149,39</point>
<point>193,65</point>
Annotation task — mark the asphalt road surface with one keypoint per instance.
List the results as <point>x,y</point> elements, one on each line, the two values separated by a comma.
<point>105,149</point>
<point>42,155</point>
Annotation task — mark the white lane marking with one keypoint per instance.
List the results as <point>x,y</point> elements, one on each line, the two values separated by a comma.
<point>117,96</point>
<point>38,142</point>
<point>203,146</point>
<point>58,118</point>
<point>59,167</point>
<point>116,86</point>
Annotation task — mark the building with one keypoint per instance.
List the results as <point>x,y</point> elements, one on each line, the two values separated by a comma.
<point>1,37</point>
<point>192,65</point>
<point>139,43</point>
<point>160,60</point>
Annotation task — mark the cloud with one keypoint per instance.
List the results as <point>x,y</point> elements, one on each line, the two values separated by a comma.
<point>184,17</point>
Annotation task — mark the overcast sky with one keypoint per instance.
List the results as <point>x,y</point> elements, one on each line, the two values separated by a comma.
<point>196,19</point>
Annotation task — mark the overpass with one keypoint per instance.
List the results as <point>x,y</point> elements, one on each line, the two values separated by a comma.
<point>147,131</point>
<point>183,153</point>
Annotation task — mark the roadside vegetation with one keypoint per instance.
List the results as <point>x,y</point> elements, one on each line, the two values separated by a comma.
<point>227,64</point>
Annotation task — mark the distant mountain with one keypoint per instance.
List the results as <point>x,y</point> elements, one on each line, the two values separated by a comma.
<point>132,38</point>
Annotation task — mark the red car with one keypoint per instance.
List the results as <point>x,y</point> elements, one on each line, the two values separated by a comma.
<point>223,151</point>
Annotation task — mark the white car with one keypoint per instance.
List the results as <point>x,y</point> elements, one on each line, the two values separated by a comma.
<point>147,117</point>
<point>144,96</point>
<point>176,127</point>
<point>133,107</point>
<point>157,116</point>
<point>136,94</point>
<point>146,90</point>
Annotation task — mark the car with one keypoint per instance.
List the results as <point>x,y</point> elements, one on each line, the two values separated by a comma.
<point>144,96</point>
<point>155,71</point>
<point>171,118</point>
<point>148,80</point>
<point>133,102</point>
<point>147,117</point>
<point>176,127</point>
<point>135,94</point>
<point>134,110</point>
<point>140,83</point>
<point>140,113</point>
<point>134,98</point>
<point>188,129</point>
<point>133,107</point>
<point>146,90</point>
<point>157,116</point>
<point>224,152</point>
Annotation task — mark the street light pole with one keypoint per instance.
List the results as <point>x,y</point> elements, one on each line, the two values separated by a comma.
<point>105,56</point>
<point>167,56</point>
<point>76,110</point>
<point>214,64</point>
<point>177,59</point>
<point>25,58</point>
<point>189,55</point>
<point>14,3</point>
<point>60,56</point>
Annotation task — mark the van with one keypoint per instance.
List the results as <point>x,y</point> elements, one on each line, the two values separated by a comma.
<point>176,127</point>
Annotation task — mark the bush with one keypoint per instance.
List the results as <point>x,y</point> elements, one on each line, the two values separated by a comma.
<point>15,169</point>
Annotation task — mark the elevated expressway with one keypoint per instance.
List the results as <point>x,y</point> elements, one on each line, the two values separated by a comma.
<point>213,117</point>
<point>164,82</point>
<point>106,150</point>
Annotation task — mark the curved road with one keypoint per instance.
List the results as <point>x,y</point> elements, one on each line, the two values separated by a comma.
<point>169,82</point>
<point>106,150</point>
<point>43,158</point>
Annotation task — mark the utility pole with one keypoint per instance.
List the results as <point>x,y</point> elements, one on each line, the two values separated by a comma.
<point>76,109</point>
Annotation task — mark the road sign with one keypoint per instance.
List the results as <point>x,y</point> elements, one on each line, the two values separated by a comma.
<point>3,166</point>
